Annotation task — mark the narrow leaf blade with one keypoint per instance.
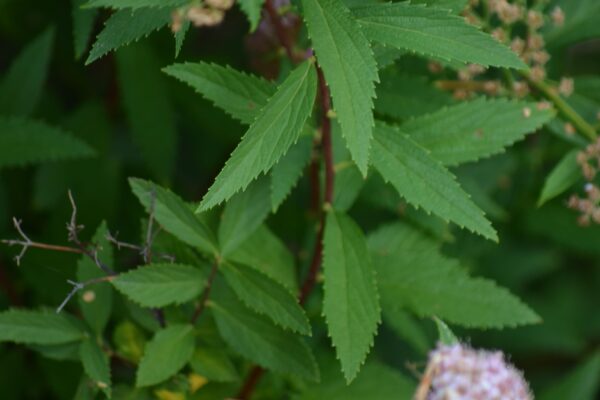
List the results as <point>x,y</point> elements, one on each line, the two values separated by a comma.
<point>37,327</point>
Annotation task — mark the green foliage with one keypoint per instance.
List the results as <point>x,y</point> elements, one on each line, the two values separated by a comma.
<point>158,285</point>
<point>418,277</point>
<point>445,335</point>
<point>582,383</point>
<point>96,365</point>
<point>51,143</point>
<point>274,131</point>
<point>252,9</point>
<point>564,175</point>
<point>83,26</point>
<point>403,162</point>
<point>286,173</point>
<point>133,4</point>
<point>344,54</point>
<point>351,303</point>
<point>433,32</point>
<point>168,351</point>
<point>37,327</point>
<point>581,22</point>
<point>213,364</point>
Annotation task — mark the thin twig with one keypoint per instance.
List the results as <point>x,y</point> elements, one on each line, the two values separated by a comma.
<point>77,286</point>
<point>140,249</point>
<point>147,249</point>
<point>204,298</point>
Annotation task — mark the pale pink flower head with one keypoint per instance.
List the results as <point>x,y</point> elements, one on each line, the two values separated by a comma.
<point>458,372</point>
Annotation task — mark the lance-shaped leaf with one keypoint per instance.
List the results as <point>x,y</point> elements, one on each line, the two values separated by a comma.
<point>174,215</point>
<point>566,173</point>
<point>37,327</point>
<point>22,85</point>
<point>24,141</point>
<point>476,129</point>
<point>134,3</point>
<point>424,182</point>
<point>252,9</point>
<point>83,26</point>
<point>345,56</point>
<point>286,173</point>
<point>258,339</point>
<point>413,274</point>
<point>265,296</point>
<point>239,94</point>
<point>96,365</point>
<point>125,27</point>
<point>158,285</point>
<point>168,351</point>
<point>274,131</point>
<point>351,303</point>
<point>433,32</point>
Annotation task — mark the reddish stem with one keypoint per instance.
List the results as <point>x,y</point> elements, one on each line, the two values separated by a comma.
<point>282,33</point>
<point>251,381</point>
<point>200,308</point>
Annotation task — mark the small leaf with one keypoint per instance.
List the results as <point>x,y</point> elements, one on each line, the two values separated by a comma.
<point>174,215</point>
<point>582,384</point>
<point>433,32</point>
<point>445,335</point>
<point>158,285</point>
<point>37,327</point>
<point>83,26</point>
<point>213,364</point>
<point>415,275</point>
<point>129,341</point>
<point>243,214</point>
<point>24,141</point>
<point>351,302</point>
<point>125,27</point>
<point>148,109</point>
<point>168,351</point>
<point>252,9</point>
<point>239,94</point>
<point>95,301</point>
<point>22,85</point>
<point>566,173</point>
<point>95,364</point>
<point>274,131</point>
<point>424,182</point>
<point>345,55</point>
<point>259,340</point>
<point>348,183</point>
<point>180,36</point>
<point>267,297</point>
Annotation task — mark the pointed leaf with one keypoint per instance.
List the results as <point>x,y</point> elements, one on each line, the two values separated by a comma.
<point>286,173</point>
<point>424,182</point>
<point>413,274</point>
<point>252,9</point>
<point>259,340</point>
<point>239,94</point>
<point>275,130</point>
<point>351,302</point>
<point>168,351</point>
<point>566,173</point>
<point>266,297</point>
<point>24,141</point>
<point>445,335</point>
<point>133,4</point>
<point>158,285</point>
<point>213,364</point>
<point>174,215</point>
<point>433,32</point>
<point>37,327</point>
<point>350,70</point>
<point>95,364</point>
<point>83,26</point>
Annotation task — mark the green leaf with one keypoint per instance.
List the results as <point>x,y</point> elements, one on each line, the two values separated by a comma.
<point>475,129</point>
<point>259,340</point>
<point>345,56</point>
<point>148,109</point>
<point>445,335</point>
<point>158,285</point>
<point>407,328</point>
<point>129,341</point>
<point>83,26</point>
<point>96,365</point>
<point>22,85</point>
<point>433,32</point>
<point>125,27</point>
<point>566,173</point>
<point>24,141</point>
<point>268,254</point>
<point>95,301</point>
<point>213,364</point>
<point>134,4</point>
<point>581,22</point>
<point>351,301</point>
<point>37,327</point>
<point>348,183</point>
<point>424,182</point>
<point>252,9</point>
<point>582,384</point>
<point>180,36</point>
<point>267,297</point>
<point>413,274</point>
<point>174,215</point>
<point>274,131</point>
<point>239,94</point>
<point>286,173</point>
<point>243,214</point>
<point>456,6</point>
<point>168,351</point>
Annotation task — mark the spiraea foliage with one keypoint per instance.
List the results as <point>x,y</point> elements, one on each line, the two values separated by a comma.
<point>300,199</point>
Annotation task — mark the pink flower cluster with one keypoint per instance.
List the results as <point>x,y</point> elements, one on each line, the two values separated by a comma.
<point>458,372</point>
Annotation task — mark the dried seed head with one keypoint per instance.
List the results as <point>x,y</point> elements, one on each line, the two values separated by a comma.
<point>569,129</point>
<point>538,73</point>
<point>535,19</point>
<point>558,16</point>
<point>460,372</point>
<point>566,86</point>
<point>220,4</point>
<point>202,16</point>
<point>88,296</point>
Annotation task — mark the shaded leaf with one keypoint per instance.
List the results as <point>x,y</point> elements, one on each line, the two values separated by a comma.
<point>252,9</point>
<point>38,327</point>
<point>96,365</point>
<point>213,364</point>
<point>286,173</point>
<point>566,173</point>
<point>83,26</point>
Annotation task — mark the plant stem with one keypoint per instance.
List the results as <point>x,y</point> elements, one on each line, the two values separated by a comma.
<point>202,305</point>
<point>565,109</point>
<point>282,34</point>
